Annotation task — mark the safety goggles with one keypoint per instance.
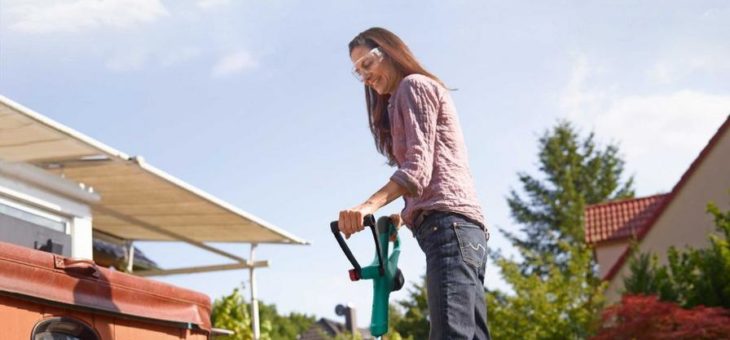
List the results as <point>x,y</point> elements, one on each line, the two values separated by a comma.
<point>366,63</point>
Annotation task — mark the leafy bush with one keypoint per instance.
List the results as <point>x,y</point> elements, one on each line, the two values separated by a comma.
<point>646,317</point>
<point>692,277</point>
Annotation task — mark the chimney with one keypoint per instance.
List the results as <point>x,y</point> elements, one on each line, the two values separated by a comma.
<point>348,312</point>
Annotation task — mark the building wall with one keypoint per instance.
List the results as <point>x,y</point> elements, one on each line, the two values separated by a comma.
<point>608,254</point>
<point>685,221</point>
<point>38,192</point>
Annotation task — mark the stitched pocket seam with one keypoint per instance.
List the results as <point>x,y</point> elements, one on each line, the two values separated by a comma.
<point>463,248</point>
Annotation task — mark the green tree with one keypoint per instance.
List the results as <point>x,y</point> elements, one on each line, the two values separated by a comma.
<point>691,277</point>
<point>395,316</point>
<point>647,276</point>
<point>414,321</point>
<point>283,326</point>
<point>346,336</point>
<point>556,291</point>
<point>574,173</point>
<point>563,304</point>
<point>232,312</point>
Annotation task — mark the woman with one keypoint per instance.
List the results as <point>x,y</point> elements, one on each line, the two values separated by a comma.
<point>415,126</point>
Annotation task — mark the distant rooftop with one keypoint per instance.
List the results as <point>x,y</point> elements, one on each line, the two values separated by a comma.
<point>618,220</point>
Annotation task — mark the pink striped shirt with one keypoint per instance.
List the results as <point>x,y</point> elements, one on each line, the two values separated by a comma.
<point>429,150</point>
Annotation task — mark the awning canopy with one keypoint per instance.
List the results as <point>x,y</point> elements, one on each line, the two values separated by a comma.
<point>138,201</point>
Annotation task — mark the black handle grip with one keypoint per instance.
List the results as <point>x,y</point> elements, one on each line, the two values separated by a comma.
<point>368,221</point>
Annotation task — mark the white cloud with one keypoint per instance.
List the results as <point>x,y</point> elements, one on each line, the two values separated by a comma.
<point>178,56</point>
<point>575,98</point>
<point>658,134</point>
<point>130,60</point>
<point>711,61</point>
<point>206,4</point>
<point>127,61</point>
<point>681,121</point>
<point>234,63</point>
<point>663,72</point>
<point>74,16</point>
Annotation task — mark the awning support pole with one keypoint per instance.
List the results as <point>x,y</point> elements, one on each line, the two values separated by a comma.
<point>200,269</point>
<point>130,256</point>
<point>254,301</point>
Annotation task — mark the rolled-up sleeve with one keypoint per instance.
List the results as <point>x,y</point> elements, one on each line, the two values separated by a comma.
<point>417,104</point>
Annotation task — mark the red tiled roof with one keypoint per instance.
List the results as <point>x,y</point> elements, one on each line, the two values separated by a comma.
<point>618,220</point>
<point>668,199</point>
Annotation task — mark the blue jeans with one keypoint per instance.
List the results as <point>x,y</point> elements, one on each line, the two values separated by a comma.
<point>456,253</point>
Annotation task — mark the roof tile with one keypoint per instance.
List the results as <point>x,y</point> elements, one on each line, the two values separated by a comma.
<point>621,219</point>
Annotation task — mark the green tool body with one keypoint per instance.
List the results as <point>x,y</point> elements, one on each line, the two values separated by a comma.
<point>383,270</point>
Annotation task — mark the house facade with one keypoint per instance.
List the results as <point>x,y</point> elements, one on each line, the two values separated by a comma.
<point>678,218</point>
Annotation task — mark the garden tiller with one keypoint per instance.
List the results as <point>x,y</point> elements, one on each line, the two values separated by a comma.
<point>383,271</point>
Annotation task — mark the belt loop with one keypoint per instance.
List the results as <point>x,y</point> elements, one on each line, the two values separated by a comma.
<point>422,218</point>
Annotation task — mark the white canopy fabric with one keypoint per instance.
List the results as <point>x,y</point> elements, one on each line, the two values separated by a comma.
<point>138,201</point>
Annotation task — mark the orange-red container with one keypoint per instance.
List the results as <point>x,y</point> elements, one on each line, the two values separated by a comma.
<point>42,294</point>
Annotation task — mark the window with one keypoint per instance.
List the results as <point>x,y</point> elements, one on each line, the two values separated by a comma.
<point>33,216</point>
<point>32,227</point>
<point>63,328</point>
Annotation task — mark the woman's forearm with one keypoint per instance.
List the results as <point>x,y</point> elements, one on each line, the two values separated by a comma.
<point>389,192</point>
<point>351,220</point>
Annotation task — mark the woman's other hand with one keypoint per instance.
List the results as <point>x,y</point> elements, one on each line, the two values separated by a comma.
<point>397,222</point>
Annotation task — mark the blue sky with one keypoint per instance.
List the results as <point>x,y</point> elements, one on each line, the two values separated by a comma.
<point>254,103</point>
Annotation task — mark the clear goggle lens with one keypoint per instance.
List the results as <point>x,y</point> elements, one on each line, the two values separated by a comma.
<point>366,63</point>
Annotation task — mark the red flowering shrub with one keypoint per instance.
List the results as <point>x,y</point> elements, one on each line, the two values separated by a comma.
<point>645,317</point>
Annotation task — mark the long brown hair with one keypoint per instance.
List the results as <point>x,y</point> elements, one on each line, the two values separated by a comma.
<point>400,56</point>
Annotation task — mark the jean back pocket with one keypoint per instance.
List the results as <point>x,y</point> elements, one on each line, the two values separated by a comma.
<point>472,243</point>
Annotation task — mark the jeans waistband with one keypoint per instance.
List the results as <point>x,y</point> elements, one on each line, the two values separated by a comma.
<point>426,215</point>
<point>430,215</point>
